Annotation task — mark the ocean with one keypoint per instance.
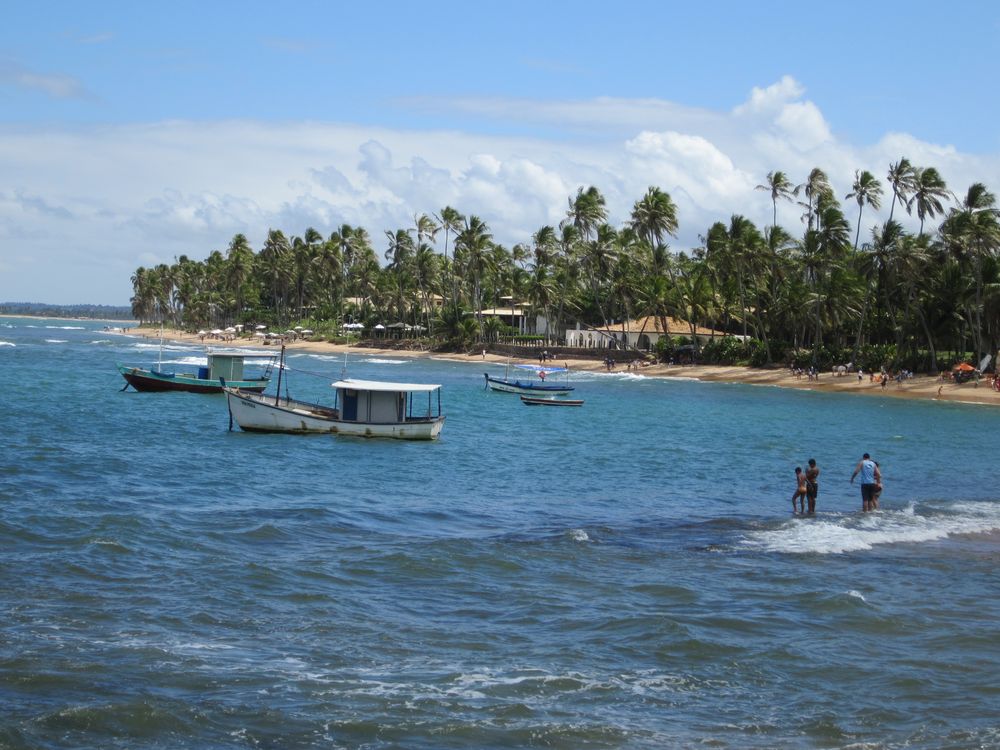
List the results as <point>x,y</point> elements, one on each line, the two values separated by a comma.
<point>623,575</point>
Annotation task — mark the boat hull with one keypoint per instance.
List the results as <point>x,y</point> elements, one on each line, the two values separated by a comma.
<point>534,401</point>
<point>527,389</point>
<point>258,413</point>
<point>149,380</point>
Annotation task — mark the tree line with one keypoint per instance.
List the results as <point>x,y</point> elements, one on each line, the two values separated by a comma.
<point>879,296</point>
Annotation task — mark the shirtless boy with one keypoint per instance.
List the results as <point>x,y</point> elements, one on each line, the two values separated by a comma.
<point>800,490</point>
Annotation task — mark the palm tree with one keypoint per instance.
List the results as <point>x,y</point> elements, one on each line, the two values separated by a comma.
<point>929,189</point>
<point>450,220</point>
<point>654,216</point>
<point>587,211</point>
<point>779,186</point>
<point>972,232</point>
<point>873,262</point>
<point>399,255</point>
<point>866,190</point>
<point>901,177</point>
<point>475,241</point>
<point>816,188</point>
<point>276,268</point>
<point>239,268</point>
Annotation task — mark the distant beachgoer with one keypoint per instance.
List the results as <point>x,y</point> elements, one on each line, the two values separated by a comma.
<point>870,477</point>
<point>885,380</point>
<point>940,388</point>
<point>812,484</point>
<point>541,374</point>
<point>484,354</point>
<point>800,491</point>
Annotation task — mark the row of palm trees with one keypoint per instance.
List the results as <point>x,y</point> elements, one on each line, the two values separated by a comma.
<point>824,288</point>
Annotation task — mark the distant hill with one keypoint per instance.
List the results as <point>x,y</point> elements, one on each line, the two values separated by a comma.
<point>98,312</point>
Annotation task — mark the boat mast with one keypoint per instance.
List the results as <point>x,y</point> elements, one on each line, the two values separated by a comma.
<point>281,368</point>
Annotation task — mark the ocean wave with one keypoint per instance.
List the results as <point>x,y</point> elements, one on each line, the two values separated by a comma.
<point>377,361</point>
<point>837,534</point>
<point>56,341</point>
<point>7,343</point>
<point>165,347</point>
<point>67,328</point>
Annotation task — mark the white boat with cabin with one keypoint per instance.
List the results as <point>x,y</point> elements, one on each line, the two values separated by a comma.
<point>362,408</point>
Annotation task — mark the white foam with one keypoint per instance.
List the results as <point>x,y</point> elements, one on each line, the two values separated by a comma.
<point>376,361</point>
<point>857,595</point>
<point>165,347</point>
<point>56,341</point>
<point>67,328</point>
<point>837,534</point>
<point>7,343</point>
<point>578,535</point>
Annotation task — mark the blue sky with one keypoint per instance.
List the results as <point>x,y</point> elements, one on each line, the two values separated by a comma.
<point>133,132</point>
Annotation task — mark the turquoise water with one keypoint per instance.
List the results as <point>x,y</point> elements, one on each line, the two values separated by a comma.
<point>627,574</point>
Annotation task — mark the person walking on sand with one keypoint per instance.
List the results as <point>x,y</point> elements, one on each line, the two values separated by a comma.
<point>812,484</point>
<point>800,491</point>
<point>870,478</point>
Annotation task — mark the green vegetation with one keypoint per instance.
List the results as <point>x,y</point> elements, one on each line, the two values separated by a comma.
<point>96,312</point>
<point>874,296</point>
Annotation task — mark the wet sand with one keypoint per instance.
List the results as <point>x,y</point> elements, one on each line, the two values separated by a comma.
<point>921,386</point>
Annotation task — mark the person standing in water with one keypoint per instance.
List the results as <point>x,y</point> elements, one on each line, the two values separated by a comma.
<point>812,484</point>
<point>800,491</point>
<point>870,478</point>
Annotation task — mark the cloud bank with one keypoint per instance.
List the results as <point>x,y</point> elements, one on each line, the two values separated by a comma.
<point>82,208</point>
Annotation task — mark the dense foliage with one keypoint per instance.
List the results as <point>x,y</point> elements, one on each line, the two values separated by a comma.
<point>882,296</point>
<point>97,312</point>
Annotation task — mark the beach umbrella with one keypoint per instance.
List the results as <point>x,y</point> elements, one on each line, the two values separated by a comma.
<point>216,331</point>
<point>964,367</point>
<point>379,327</point>
<point>261,327</point>
<point>307,331</point>
<point>202,333</point>
<point>230,329</point>
<point>298,328</point>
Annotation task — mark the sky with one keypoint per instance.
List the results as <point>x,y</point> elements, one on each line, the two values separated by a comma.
<point>134,133</point>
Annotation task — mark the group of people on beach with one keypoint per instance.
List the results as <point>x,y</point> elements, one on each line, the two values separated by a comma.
<point>807,485</point>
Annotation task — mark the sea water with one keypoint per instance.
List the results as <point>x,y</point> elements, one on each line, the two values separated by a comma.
<point>624,574</point>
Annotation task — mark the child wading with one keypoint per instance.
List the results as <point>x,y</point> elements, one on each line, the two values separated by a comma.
<point>800,491</point>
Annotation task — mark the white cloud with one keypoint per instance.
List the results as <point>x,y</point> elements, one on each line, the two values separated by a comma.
<point>98,202</point>
<point>772,99</point>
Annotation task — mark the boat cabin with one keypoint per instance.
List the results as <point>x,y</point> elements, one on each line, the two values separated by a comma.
<point>377,402</point>
<point>228,366</point>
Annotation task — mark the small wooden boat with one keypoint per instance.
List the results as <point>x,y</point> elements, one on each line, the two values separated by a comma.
<point>535,401</point>
<point>205,380</point>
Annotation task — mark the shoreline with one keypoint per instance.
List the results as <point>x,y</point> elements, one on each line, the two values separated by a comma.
<point>924,387</point>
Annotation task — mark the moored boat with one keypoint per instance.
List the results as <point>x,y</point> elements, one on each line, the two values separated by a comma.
<point>529,387</point>
<point>362,408</point>
<point>543,401</point>
<point>204,380</point>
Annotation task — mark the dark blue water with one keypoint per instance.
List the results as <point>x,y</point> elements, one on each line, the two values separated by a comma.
<point>627,574</point>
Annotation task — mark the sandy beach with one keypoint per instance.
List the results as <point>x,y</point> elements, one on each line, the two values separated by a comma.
<point>921,386</point>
